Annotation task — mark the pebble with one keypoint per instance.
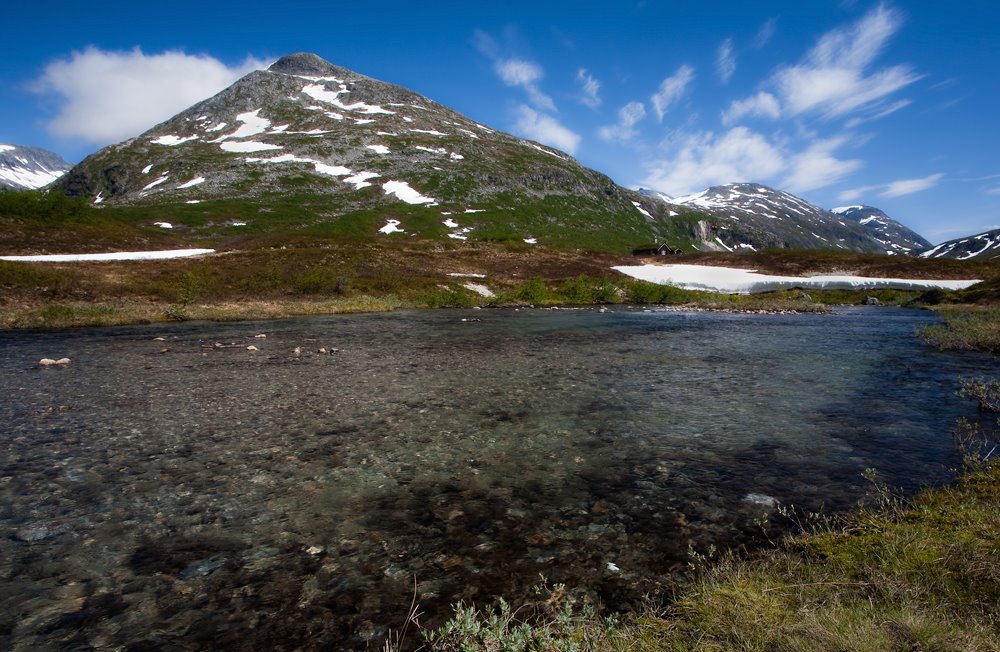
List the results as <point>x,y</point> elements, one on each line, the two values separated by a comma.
<point>49,362</point>
<point>260,336</point>
<point>252,348</point>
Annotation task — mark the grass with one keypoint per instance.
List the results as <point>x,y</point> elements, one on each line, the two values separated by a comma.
<point>965,328</point>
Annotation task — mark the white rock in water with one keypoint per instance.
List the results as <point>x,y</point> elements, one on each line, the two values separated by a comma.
<point>252,348</point>
<point>260,336</point>
<point>761,499</point>
<point>48,362</point>
<point>612,567</point>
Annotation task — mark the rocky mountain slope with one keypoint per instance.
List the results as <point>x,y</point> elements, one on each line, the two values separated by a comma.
<point>896,237</point>
<point>27,168</point>
<point>309,146</point>
<point>753,216</point>
<point>981,247</point>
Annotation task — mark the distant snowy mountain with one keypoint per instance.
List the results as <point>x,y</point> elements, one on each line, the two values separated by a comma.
<point>751,216</point>
<point>983,246</point>
<point>656,194</point>
<point>896,237</point>
<point>27,168</point>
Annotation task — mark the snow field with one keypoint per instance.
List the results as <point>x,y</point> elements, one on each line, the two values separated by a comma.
<point>121,255</point>
<point>742,281</point>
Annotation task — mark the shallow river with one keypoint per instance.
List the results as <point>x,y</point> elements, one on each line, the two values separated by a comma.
<point>164,494</point>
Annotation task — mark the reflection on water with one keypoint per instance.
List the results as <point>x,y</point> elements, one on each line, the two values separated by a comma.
<point>168,494</point>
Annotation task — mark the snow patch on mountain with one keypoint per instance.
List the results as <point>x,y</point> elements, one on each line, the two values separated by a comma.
<point>321,93</point>
<point>404,192</point>
<point>172,140</point>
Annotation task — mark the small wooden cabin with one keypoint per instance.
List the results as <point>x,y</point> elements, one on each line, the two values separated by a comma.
<point>655,250</point>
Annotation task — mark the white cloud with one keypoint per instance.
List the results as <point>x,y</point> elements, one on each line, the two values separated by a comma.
<point>628,116</point>
<point>590,89</point>
<point>108,96</point>
<point>833,80</point>
<point>910,186</point>
<point>671,90</point>
<point>486,44</point>
<point>704,160</point>
<point>851,194</point>
<point>893,188</point>
<point>816,166</point>
<point>892,108</point>
<point>765,33</point>
<point>741,155</point>
<point>524,74</point>
<point>761,105</point>
<point>725,61</point>
<point>545,129</point>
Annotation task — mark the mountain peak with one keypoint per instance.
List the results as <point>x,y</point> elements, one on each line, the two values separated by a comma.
<point>304,63</point>
<point>29,167</point>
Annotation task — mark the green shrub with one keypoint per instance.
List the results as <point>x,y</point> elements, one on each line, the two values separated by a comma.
<point>584,290</point>
<point>448,297</point>
<point>532,292</point>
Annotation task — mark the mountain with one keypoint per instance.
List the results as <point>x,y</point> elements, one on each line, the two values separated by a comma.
<point>896,237</point>
<point>981,247</point>
<point>655,194</point>
<point>306,147</point>
<point>27,168</point>
<point>311,147</point>
<point>753,216</point>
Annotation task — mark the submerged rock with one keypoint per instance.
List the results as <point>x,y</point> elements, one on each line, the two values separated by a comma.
<point>761,499</point>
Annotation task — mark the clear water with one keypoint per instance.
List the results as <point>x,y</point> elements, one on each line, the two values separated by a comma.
<point>165,495</point>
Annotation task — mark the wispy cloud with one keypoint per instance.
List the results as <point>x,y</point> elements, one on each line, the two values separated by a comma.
<point>893,188</point>
<point>834,78</point>
<point>106,96</point>
<point>526,75</point>
<point>816,166</point>
<point>853,194</point>
<point>545,129</point>
<point>889,110</point>
<point>725,61</point>
<point>590,89</point>
<point>765,33</point>
<point>624,130</point>
<point>910,186</point>
<point>761,105</point>
<point>513,71</point>
<point>671,90</point>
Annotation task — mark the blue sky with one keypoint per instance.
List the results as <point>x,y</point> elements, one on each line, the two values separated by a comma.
<point>842,102</point>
